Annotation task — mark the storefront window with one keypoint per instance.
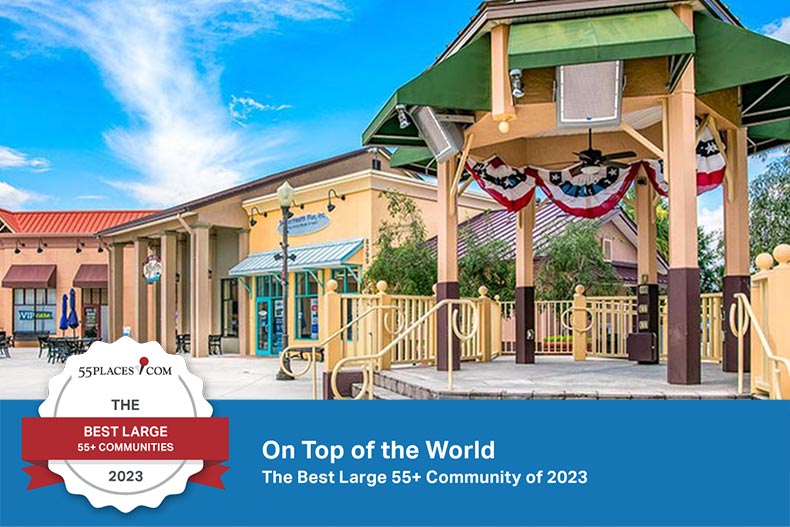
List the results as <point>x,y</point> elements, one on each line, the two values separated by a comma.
<point>306,306</point>
<point>268,286</point>
<point>35,310</point>
<point>347,279</point>
<point>230,307</point>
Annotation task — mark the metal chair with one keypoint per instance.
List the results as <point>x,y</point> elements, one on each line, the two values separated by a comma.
<point>183,343</point>
<point>4,345</point>
<point>215,344</point>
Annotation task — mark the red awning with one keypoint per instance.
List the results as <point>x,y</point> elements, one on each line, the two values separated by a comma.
<point>91,276</point>
<point>22,276</point>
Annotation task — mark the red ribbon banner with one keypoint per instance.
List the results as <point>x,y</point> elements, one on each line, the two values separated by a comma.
<point>89,438</point>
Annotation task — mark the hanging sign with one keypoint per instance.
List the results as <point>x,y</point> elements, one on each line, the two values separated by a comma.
<point>304,225</point>
<point>152,269</point>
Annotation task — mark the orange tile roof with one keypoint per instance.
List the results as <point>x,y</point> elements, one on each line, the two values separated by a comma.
<point>68,222</point>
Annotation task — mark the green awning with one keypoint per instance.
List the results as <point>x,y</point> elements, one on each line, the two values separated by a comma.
<point>418,159</point>
<point>599,39</point>
<point>729,56</point>
<point>460,82</point>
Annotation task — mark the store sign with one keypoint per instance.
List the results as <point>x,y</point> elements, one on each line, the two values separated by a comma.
<point>152,269</point>
<point>304,225</point>
<point>35,315</point>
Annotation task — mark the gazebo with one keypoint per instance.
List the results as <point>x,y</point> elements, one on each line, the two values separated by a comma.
<point>584,98</point>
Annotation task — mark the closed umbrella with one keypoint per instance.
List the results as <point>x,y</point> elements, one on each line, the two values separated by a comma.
<point>73,320</point>
<point>64,317</point>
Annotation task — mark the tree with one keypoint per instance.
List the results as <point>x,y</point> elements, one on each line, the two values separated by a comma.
<point>769,195</point>
<point>402,258</point>
<point>711,265</point>
<point>575,257</point>
<point>486,262</point>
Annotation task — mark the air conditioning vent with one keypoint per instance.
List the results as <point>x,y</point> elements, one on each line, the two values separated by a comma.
<point>589,95</point>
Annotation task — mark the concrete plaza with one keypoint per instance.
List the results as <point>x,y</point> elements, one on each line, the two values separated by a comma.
<point>25,376</point>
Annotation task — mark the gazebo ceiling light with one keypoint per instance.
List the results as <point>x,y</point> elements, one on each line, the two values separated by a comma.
<point>403,116</point>
<point>515,83</point>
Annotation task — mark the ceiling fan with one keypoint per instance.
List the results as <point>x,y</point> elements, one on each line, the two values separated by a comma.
<point>593,159</point>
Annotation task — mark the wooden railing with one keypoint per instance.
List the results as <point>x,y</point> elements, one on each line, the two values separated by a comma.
<point>420,346</point>
<point>711,327</point>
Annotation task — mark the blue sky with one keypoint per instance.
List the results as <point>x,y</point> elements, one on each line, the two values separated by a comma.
<point>146,103</point>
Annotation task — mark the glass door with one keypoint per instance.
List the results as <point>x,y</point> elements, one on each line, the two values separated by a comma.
<point>264,318</point>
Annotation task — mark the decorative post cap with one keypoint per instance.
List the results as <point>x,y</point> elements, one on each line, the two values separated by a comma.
<point>331,286</point>
<point>381,286</point>
<point>782,254</point>
<point>764,262</point>
<point>483,291</point>
<point>434,289</point>
<point>579,289</point>
<point>496,297</point>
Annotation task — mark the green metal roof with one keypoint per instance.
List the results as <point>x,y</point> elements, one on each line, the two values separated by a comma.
<point>319,256</point>
<point>418,159</point>
<point>461,82</point>
<point>599,39</point>
<point>729,56</point>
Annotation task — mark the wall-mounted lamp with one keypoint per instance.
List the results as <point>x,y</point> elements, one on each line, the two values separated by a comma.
<point>255,211</point>
<point>18,247</point>
<point>80,245</point>
<point>376,163</point>
<point>331,206</point>
<point>41,245</point>
<point>101,248</point>
<point>515,83</point>
<point>403,116</point>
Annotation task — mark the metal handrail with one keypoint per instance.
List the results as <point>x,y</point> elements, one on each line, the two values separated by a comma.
<point>741,317</point>
<point>312,363</point>
<point>368,361</point>
<point>572,325</point>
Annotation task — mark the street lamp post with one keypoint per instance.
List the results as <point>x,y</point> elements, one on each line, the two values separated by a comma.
<point>286,196</point>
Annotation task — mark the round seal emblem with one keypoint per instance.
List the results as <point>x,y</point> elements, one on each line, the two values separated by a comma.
<point>131,424</point>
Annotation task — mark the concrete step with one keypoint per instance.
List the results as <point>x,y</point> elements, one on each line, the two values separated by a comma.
<point>380,393</point>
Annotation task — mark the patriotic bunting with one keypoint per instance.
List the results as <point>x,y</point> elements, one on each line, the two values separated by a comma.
<point>590,195</point>
<point>585,195</point>
<point>510,187</point>
<point>711,166</point>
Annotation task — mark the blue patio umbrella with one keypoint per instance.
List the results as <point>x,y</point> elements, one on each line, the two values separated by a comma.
<point>73,320</point>
<point>64,317</point>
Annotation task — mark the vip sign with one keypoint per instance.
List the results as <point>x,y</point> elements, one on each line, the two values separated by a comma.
<point>152,269</point>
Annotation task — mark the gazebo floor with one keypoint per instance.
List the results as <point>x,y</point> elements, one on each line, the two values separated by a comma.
<point>557,378</point>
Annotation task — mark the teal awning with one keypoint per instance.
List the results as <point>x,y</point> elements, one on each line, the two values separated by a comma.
<point>729,56</point>
<point>599,39</point>
<point>460,82</point>
<point>319,256</point>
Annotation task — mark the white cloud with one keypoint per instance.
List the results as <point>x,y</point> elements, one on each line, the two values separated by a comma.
<point>10,158</point>
<point>158,60</point>
<point>240,108</point>
<point>12,197</point>
<point>91,197</point>
<point>711,220</point>
<point>779,29</point>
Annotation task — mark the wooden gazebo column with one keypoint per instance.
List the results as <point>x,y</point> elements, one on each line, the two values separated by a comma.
<point>736,240</point>
<point>525,286</point>
<point>647,263</point>
<point>684,280</point>
<point>447,259</point>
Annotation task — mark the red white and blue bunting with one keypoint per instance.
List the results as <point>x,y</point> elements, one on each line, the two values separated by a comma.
<point>590,195</point>
<point>511,187</point>
<point>585,195</point>
<point>711,166</point>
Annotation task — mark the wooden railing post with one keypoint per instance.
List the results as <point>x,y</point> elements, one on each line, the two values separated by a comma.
<point>485,330</point>
<point>330,320</point>
<point>387,321</point>
<point>579,324</point>
<point>778,305</point>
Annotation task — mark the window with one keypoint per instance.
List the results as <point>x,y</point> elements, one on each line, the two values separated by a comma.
<point>306,306</point>
<point>35,310</point>
<point>268,286</point>
<point>347,279</point>
<point>606,247</point>
<point>230,307</point>
<point>95,296</point>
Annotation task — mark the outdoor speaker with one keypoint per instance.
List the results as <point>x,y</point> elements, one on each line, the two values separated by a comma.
<point>589,95</point>
<point>444,139</point>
